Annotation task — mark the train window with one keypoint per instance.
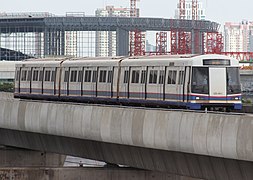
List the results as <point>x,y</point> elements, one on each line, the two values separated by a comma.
<point>172,76</point>
<point>102,76</point>
<point>66,76</point>
<point>47,75</point>
<point>73,76</point>
<point>143,76</point>
<point>233,81</point>
<point>41,76</point>
<point>181,77</point>
<point>23,75</point>
<point>94,76</point>
<point>87,77</point>
<point>216,62</point>
<point>29,75</point>
<point>153,76</point>
<point>80,76</point>
<point>109,79</point>
<point>200,80</point>
<point>35,75</point>
<point>53,76</point>
<point>126,76</point>
<point>161,77</point>
<point>135,76</point>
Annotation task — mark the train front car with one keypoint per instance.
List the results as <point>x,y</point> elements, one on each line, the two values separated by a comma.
<point>215,83</point>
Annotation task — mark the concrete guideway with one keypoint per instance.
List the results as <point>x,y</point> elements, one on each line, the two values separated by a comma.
<point>218,135</point>
<point>213,146</point>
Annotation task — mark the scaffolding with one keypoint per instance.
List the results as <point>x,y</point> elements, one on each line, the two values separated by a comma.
<point>214,43</point>
<point>161,43</point>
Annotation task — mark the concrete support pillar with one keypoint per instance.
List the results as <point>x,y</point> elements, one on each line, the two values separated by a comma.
<point>54,42</point>
<point>193,41</point>
<point>62,42</point>
<point>10,157</point>
<point>122,42</point>
<point>46,42</point>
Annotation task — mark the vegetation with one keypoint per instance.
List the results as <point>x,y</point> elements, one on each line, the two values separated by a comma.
<point>7,87</point>
<point>246,101</point>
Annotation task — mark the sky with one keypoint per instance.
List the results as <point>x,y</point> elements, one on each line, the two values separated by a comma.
<point>220,11</point>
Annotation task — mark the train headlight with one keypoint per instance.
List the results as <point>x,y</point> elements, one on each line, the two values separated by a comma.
<point>237,98</point>
<point>197,98</point>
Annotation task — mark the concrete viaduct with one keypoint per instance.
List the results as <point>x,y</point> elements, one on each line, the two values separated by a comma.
<point>199,145</point>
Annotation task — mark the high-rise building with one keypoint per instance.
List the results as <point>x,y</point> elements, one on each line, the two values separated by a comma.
<point>238,36</point>
<point>106,40</point>
<point>71,43</point>
<point>201,14</point>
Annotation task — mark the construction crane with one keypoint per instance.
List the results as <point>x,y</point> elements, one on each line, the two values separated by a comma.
<point>133,13</point>
<point>137,43</point>
<point>180,40</point>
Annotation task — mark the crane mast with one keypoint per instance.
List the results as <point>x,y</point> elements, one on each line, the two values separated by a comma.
<point>137,38</point>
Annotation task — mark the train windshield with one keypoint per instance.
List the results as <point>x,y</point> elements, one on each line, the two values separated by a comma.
<point>200,80</point>
<point>233,81</point>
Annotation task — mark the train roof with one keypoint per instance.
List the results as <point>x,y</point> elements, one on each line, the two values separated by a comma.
<point>178,60</point>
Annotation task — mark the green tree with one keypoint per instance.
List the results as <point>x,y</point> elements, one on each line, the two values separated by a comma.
<point>7,87</point>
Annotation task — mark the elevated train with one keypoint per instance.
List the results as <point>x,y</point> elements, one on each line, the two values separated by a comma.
<point>190,81</point>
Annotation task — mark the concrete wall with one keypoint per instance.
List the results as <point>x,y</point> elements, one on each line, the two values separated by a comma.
<point>85,174</point>
<point>219,135</point>
<point>25,158</point>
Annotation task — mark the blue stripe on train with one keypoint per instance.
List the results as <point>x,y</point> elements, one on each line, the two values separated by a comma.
<point>132,94</point>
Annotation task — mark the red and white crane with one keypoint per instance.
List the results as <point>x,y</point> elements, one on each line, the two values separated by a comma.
<point>137,38</point>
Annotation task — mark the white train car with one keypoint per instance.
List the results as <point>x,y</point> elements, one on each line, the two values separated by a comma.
<point>93,79</point>
<point>193,82</point>
<point>36,78</point>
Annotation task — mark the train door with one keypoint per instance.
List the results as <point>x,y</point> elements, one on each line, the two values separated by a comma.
<point>124,82</point>
<point>25,86</point>
<point>143,82</point>
<point>161,83</point>
<point>104,82</point>
<point>135,87</point>
<point>89,82</point>
<point>65,82</point>
<point>36,84</point>
<point>153,89</point>
<point>74,86</point>
<point>94,81</point>
<point>180,81</point>
<point>49,81</point>
<point>17,80</point>
<point>217,84</point>
<point>186,84</point>
<point>171,93</point>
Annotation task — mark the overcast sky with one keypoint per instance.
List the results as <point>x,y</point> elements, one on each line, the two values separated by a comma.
<point>216,10</point>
